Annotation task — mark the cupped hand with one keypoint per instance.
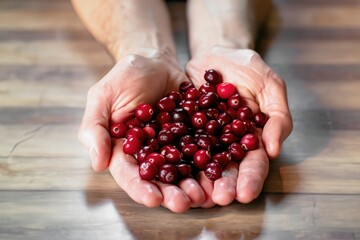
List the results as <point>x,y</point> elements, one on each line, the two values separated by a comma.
<point>262,90</point>
<point>132,81</point>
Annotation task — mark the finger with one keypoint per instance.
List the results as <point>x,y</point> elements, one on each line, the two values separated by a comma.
<point>93,132</point>
<point>125,170</point>
<point>225,187</point>
<point>193,190</point>
<point>175,199</point>
<point>253,171</point>
<point>208,188</point>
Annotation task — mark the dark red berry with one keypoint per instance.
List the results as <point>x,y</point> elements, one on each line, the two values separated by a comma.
<point>153,143</point>
<point>174,95</point>
<point>225,90</point>
<point>223,119</point>
<point>213,171</point>
<point>144,112</point>
<point>201,158</point>
<point>134,122</point>
<point>143,152</point>
<point>259,119</point>
<point>185,86</point>
<point>207,87</point>
<point>228,138</point>
<point>235,101</point>
<point>212,77</point>
<point>172,155</point>
<point>190,106</point>
<point>249,142</point>
<point>237,152</point>
<point>208,100</point>
<point>118,130</point>
<point>149,131</point>
<point>192,94</point>
<point>166,104</point>
<point>244,113</point>
<point>180,115</point>
<point>165,137</point>
<point>155,158</point>
<point>168,174</point>
<point>212,127</point>
<point>204,141</point>
<point>147,171</point>
<point>186,140</point>
<point>222,158</point>
<point>131,145</point>
<point>189,149</point>
<point>221,106</point>
<point>238,127</point>
<point>212,113</point>
<point>178,128</point>
<point>199,120</point>
<point>163,117</point>
<point>184,170</point>
<point>136,132</point>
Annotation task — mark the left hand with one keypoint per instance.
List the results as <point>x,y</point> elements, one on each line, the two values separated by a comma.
<point>262,90</point>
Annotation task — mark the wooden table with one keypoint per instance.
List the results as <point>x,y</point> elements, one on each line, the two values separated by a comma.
<point>48,190</point>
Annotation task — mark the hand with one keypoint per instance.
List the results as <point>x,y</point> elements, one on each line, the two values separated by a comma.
<point>262,90</point>
<point>133,80</point>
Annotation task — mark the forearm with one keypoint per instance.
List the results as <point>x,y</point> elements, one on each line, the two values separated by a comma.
<point>128,27</point>
<point>227,23</point>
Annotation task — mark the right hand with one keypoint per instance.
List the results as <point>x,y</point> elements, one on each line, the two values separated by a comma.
<point>132,81</point>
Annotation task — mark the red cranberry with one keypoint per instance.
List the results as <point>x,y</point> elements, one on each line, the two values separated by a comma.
<point>213,171</point>
<point>207,87</point>
<point>212,113</point>
<point>155,158</point>
<point>153,143</point>
<point>249,142</point>
<point>180,115</point>
<point>184,170</point>
<point>237,152</point>
<point>225,90</point>
<point>204,141</point>
<point>201,158</point>
<point>212,127</point>
<point>199,120</point>
<point>223,119</point>
<point>208,99</point>
<point>190,106</point>
<point>163,117</point>
<point>231,112</point>
<point>222,158</point>
<point>136,132</point>
<point>185,86</point>
<point>134,122</point>
<point>149,131</point>
<point>192,94</point>
<point>238,127</point>
<point>250,126</point>
<point>143,152</point>
<point>131,145</point>
<point>212,77</point>
<point>189,149</point>
<point>173,155</point>
<point>166,104</point>
<point>244,113</point>
<point>165,137</point>
<point>226,129</point>
<point>178,128</point>
<point>186,140</point>
<point>144,112</point>
<point>222,106</point>
<point>174,95</point>
<point>228,138</point>
<point>147,171</point>
<point>168,174</point>
<point>235,101</point>
<point>259,119</point>
<point>118,130</point>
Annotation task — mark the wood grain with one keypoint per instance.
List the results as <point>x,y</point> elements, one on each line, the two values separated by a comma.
<point>48,61</point>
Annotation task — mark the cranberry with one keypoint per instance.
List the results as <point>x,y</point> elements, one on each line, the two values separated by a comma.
<point>167,174</point>
<point>207,87</point>
<point>118,130</point>
<point>153,143</point>
<point>192,94</point>
<point>222,106</point>
<point>144,112</point>
<point>212,113</point>
<point>208,99</point>
<point>185,86</point>
<point>149,131</point>
<point>249,142</point>
<point>163,117</point>
<point>165,137</point>
<point>222,158</point>
<point>166,104</point>
<point>190,106</point>
<point>250,126</point>
<point>143,152</point>
<point>131,145</point>
<point>212,77</point>
<point>212,127</point>
<point>184,170</point>
<point>237,152</point>
<point>213,171</point>
<point>189,149</point>
<point>155,158</point>
<point>134,122</point>
<point>186,140</point>
<point>225,90</point>
<point>172,154</point>
<point>244,113</point>
<point>174,95</point>
<point>199,120</point>
<point>235,101</point>
<point>238,127</point>
<point>226,129</point>
<point>147,171</point>
<point>259,119</point>
<point>231,112</point>
<point>178,128</point>
<point>204,141</point>
<point>223,119</point>
<point>201,158</point>
<point>228,138</point>
<point>180,115</point>
<point>136,132</point>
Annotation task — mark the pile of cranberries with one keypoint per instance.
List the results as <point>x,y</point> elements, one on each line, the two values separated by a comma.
<point>191,130</point>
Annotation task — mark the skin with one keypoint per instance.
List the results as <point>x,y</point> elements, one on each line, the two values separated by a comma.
<point>221,35</point>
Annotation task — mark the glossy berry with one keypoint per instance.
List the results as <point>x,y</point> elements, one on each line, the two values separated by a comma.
<point>235,101</point>
<point>180,115</point>
<point>249,142</point>
<point>118,130</point>
<point>225,90</point>
<point>168,174</point>
<point>189,150</point>
<point>237,153</point>
<point>238,127</point>
<point>259,119</point>
<point>192,94</point>
<point>172,155</point>
<point>228,138</point>
<point>201,158</point>
<point>184,170</point>
<point>143,152</point>
<point>149,131</point>
<point>175,95</point>
<point>136,132</point>
<point>207,87</point>
<point>204,141</point>
<point>165,137</point>
<point>131,145</point>
<point>213,171</point>
<point>166,104</point>
<point>144,112</point>
<point>134,122</point>
<point>163,117</point>
<point>185,86</point>
<point>153,143</point>
<point>190,106</point>
<point>212,77</point>
<point>223,119</point>
<point>208,100</point>
<point>212,127</point>
<point>147,171</point>
<point>244,113</point>
<point>222,158</point>
<point>186,140</point>
<point>199,120</point>
<point>212,113</point>
<point>178,128</point>
<point>155,158</point>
